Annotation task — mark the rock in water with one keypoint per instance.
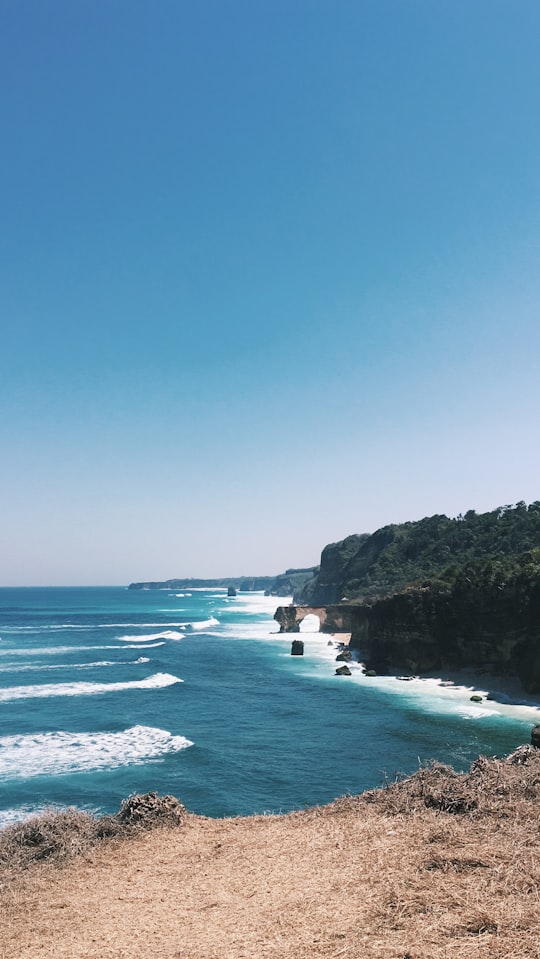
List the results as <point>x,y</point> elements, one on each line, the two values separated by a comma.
<point>297,648</point>
<point>343,671</point>
<point>535,737</point>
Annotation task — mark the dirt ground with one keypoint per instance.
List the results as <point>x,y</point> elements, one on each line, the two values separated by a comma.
<point>353,879</point>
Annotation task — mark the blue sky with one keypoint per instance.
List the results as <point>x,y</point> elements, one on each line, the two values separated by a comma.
<point>268,276</point>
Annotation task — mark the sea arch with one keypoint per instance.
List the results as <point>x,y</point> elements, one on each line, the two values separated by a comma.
<point>332,619</point>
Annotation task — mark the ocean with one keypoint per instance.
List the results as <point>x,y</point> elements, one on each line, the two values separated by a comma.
<point>105,692</point>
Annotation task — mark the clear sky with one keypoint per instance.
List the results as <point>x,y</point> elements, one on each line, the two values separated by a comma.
<point>269,275</point>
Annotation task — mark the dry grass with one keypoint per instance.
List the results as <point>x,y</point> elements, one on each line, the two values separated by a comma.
<point>492,787</point>
<point>61,835</point>
<point>438,866</point>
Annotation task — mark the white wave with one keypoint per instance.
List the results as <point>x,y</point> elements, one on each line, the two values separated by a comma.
<point>203,624</point>
<point>259,603</point>
<point>32,667</point>
<point>59,650</point>
<point>8,817</point>
<point>29,667</point>
<point>87,626</point>
<point>167,634</point>
<point>143,645</point>
<point>55,754</point>
<point>157,681</point>
<point>258,630</point>
<point>211,590</point>
<point>476,713</point>
<point>50,650</point>
<point>428,695</point>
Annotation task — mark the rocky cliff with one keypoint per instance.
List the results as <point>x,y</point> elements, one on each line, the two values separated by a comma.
<point>487,618</point>
<point>291,581</point>
<point>332,619</point>
<point>493,626</point>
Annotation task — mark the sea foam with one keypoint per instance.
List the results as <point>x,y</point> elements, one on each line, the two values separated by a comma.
<point>32,667</point>
<point>54,754</point>
<point>203,624</point>
<point>60,650</point>
<point>166,634</point>
<point>157,681</point>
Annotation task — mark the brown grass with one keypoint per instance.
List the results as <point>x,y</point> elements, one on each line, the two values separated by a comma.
<point>61,835</point>
<point>438,866</point>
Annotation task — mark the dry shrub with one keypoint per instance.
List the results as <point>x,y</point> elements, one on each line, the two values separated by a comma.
<point>60,835</point>
<point>494,787</point>
<point>149,811</point>
<point>53,835</point>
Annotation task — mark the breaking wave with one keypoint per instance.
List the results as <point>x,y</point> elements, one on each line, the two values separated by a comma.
<point>60,650</point>
<point>30,667</point>
<point>203,624</point>
<point>58,753</point>
<point>167,634</point>
<point>44,691</point>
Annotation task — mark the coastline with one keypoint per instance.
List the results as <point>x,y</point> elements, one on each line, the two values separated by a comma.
<point>451,687</point>
<point>504,690</point>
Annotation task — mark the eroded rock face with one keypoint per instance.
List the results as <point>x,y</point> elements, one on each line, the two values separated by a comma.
<point>535,737</point>
<point>326,586</point>
<point>426,628</point>
<point>421,630</point>
<point>286,617</point>
<point>332,619</point>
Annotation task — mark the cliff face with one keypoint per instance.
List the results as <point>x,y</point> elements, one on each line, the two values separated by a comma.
<point>291,581</point>
<point>327,584</point>
<point>488,618</point>
<point>493,626</point>
<point>332,619</point>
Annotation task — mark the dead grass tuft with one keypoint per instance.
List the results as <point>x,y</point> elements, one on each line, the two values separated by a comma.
<point>147,812</point>
<point>61,835</point>
<point>494,787</point>
<point>57,835</point>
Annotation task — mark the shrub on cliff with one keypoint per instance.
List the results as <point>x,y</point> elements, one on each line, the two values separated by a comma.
<point>61,834</point>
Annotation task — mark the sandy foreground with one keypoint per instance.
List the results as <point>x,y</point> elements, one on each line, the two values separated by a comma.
<point>390,879</point>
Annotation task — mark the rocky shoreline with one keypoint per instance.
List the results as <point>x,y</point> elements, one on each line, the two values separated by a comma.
<point>411,633</point>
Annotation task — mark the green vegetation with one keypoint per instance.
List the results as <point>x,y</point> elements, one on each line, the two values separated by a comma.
<point>432,552</point>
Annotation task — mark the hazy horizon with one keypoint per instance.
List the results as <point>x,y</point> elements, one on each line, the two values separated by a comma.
<point>269,277</point>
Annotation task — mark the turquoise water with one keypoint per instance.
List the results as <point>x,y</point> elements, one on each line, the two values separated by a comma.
<point>105,692</point>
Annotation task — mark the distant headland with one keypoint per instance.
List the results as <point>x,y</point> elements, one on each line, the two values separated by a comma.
<point>284,584</point>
